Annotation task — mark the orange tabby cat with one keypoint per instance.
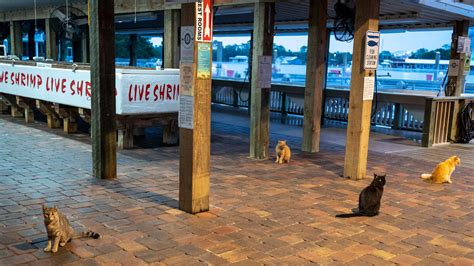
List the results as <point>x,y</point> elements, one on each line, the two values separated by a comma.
<point>442,172</point>
<point>283,152</point>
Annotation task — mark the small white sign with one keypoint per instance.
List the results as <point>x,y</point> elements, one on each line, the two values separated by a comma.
<point>369,85</point>
<point>186,112</point>
<point>187,44</point>
<point>264,72</point>
<point>372,43</point>
<point>186,79</point>
<point>453,69</point>
<point>464,45</point>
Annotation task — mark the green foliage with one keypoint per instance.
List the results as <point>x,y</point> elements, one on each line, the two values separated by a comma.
<point>445,52</point>
<point>145,48</point>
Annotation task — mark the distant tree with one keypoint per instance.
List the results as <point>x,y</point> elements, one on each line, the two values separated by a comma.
<point>423,53</point>
<point>145,48</point>
<point>385,55</point>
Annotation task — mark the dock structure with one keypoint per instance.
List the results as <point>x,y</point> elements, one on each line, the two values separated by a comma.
<point>260,211</point>
<point>262,20</point>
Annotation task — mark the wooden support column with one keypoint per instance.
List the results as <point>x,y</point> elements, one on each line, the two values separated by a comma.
<point>133,49</point>
<point>171,38</point>
<point>16,111</point>
<point>125,137</point>
<point>69,116</point>
<point>51,42</point>
<point>26,105</point>
<point>104,138</point>
<point>315,75</point>
<point>456,82</point>
<point>85,46</point>
<point>195,140</point>
<point>264,14</point>
<point>51,116</point>
<point>358,128</point>
<point>16,38</point>
<point>31,42</point>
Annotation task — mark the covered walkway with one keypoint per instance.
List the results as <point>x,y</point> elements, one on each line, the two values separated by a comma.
<point>258,213</point>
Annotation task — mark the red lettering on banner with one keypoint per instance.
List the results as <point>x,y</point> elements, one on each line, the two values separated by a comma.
<point>162,92</point>
<point>71,87</point>
<point>88,89</point>
<point>130,93</point>
<point>147,92</point>
<point>4,77</point>
<point>63,85</point>
<point>168,91</point>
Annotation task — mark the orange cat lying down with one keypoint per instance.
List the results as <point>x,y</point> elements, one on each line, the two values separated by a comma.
<point>443,171</point>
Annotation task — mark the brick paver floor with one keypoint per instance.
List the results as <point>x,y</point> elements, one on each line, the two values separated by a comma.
<point>260,213</point>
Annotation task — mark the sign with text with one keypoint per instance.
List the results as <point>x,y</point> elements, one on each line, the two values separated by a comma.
<point>187,44</point>
<point>464,45</point>
<point>186,79</point>
<point>453,69</point>
<point>264,72</point>
<point>369,85</point>
<point>371,56</point>
<point>204,61</point>
<point>186,112</point>
<point>467,64</point>
<point>137,91</point>
<point>204,20</point>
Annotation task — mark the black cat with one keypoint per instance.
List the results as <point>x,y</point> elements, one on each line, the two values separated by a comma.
<point>369,199</point>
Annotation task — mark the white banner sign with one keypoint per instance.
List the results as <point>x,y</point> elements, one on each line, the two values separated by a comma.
<point>137,91</point>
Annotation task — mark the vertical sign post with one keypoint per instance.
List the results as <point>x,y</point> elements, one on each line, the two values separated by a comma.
<point>195,106</point>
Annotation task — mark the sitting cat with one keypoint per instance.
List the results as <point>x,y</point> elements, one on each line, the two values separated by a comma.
<point>443,171</point>
<point>283,152</point>
<point>369,199</point>
<point>59,230</point>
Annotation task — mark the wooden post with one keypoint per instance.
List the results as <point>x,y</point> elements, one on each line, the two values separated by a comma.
<point>104,139</point>
<point>51,43</point>
<point>264,14</point>
<point>51,116</point>
<point>398,116</point>
<point>195,137</point>
<point>31,42</point>
<point>85,46</point>
<point>456,82</point>
<point>315,75</point>
<point>428,123</point>
<point>358,128</point>
<point>25,104</point>
<point>125,137</point>
<point>171,38</point>
<point>133,50</point>
<point>16,38</point>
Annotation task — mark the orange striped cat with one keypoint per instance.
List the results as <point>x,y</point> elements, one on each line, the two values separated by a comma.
<point>443,171</point>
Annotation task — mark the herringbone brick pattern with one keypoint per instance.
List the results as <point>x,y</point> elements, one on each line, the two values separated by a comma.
<point>261,213</point>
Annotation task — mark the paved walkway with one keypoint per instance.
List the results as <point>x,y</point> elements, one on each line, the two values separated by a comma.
<point>260,214</point>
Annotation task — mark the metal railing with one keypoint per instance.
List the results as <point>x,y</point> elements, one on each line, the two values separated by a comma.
<point>394,110</point>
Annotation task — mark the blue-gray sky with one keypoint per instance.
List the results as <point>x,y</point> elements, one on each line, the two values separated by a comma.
<point>406,41</point>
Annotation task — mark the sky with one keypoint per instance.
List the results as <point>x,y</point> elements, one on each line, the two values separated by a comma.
<point>393,42</point>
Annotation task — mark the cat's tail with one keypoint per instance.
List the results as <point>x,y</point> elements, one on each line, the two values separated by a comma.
<point>426,176</point>
<point>349,215</point>
<point>87,234</point>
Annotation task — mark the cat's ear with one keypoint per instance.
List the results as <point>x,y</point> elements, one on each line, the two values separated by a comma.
<point>44,207</point>
<point>55,207</point>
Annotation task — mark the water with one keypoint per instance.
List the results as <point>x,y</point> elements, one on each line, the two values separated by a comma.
<point>388,78</point>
